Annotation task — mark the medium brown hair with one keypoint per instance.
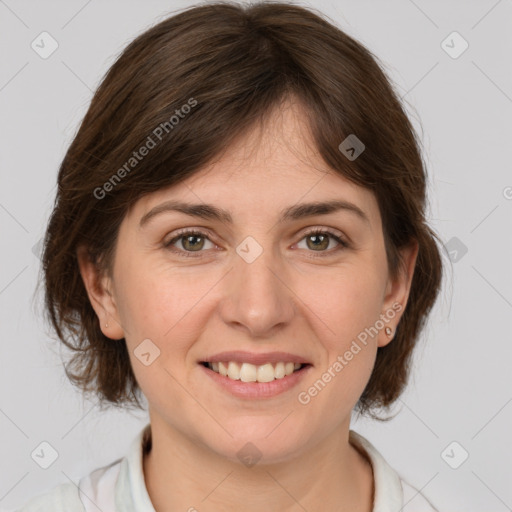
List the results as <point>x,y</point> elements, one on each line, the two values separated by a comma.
<point>236,63</point>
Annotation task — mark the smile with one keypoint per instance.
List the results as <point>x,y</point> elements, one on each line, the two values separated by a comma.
<point>251,375</point>
<point>247,372</point>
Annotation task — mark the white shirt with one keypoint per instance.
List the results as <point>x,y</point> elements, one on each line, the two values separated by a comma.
<point>120,486</point>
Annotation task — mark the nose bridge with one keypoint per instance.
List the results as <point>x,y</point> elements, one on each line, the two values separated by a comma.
<point>257,298</point>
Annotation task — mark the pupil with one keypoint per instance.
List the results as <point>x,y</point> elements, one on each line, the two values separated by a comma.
<point>189,238</point>
<point>320,238</point>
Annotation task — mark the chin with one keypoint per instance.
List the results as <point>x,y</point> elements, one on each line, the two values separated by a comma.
<point>258,441</point>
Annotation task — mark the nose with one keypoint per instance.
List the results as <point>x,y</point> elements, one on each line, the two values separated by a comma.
<point>258,299</point>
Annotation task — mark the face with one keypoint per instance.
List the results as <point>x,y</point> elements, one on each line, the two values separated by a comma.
<point>256,289</point>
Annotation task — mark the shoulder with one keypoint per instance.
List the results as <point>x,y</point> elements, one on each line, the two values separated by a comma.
<point>102,489</point>
<point>62,497</point>
<point>98,487</point>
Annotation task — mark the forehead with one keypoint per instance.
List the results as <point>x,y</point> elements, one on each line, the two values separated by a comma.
<point>272,166</point>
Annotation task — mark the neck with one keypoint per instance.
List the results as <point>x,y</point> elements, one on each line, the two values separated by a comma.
<point>181,474</point>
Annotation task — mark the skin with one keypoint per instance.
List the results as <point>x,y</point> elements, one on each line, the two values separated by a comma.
<point>286,300</point>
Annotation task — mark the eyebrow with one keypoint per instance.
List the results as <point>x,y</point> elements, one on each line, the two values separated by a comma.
<point>296,212</point>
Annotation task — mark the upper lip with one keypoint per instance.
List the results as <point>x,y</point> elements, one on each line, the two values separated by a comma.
<point>256,359</point>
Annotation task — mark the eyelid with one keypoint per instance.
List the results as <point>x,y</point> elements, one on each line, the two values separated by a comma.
<point>324,229</point>
<point>186,231</point>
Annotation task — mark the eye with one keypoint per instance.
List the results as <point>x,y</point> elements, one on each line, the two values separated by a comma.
<point>319,240</point>
<point>193,241</point>
<point>190,240</point>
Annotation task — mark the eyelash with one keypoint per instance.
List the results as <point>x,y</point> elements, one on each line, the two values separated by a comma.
<point>316,231</point>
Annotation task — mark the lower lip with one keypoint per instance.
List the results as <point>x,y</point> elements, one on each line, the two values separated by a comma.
<point>257,389</point>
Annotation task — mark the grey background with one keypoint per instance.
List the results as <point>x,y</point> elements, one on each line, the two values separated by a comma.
<point>461,385</point>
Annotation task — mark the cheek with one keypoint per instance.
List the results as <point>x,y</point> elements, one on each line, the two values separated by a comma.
<point>355,309</point>
<point>346,306</point>
<point>162,303</point>
<point>346,301</point>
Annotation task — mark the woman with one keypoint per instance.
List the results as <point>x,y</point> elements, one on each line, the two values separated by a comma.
<point>239,236</point>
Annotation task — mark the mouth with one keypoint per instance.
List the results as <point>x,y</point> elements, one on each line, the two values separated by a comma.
<point>247,372</point>
<point>249,375</point>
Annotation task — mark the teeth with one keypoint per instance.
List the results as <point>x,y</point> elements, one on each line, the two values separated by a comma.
<point>265,373</point>
<point>223,369</point>
<point>233,370</point>
<point>279,371</point>
<point>247,372</point>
